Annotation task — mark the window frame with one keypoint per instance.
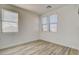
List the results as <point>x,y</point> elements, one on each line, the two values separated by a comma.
<point>44,24</point>
<point>16,22</point>
<point>53,23</point>
<point>49,23</point>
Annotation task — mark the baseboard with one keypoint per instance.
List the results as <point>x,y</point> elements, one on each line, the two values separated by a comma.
<point>14,45</point>
<point>62,44</point>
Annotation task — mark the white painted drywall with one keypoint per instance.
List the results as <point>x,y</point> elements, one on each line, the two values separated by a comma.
<point>68,27</point>
<point>28,28</point>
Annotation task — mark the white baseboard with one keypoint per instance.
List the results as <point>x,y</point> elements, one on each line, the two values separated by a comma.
<point>15,44</point>
<point>62,44</point>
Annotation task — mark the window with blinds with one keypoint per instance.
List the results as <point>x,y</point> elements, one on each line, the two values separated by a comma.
<point>49,23</point>
<point>9,21</point>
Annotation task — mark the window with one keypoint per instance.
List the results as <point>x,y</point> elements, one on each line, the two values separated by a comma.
<point>9,21</point>
<point>49,23</point>
<point>44,24</point>
<point>53,23</point>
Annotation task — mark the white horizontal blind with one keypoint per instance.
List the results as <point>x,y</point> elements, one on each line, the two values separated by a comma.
<point>49,23</point>
<point>9,21</point>
<point>44,24</point>
<point>53,23</point>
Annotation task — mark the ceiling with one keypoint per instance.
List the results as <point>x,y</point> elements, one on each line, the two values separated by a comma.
<point>39,8</point>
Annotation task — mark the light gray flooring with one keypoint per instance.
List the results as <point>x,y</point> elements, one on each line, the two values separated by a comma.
<point>39,47</point>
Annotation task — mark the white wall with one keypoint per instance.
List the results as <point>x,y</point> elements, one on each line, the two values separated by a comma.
<point>28,28</point>
<point>68,27</point>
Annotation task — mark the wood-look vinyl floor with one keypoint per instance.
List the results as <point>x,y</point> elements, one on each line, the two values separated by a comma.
<point>39,47</point>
